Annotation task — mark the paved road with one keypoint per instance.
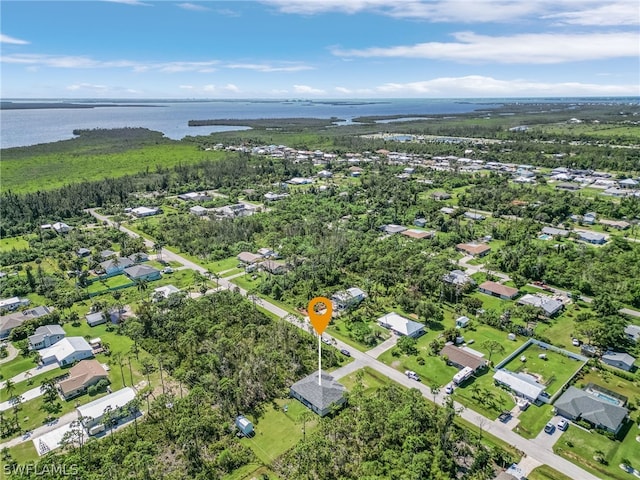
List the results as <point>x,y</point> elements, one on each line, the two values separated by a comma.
<point>26,396</point>
<point>12,351</point>
<point>37,432</point>
<point>530,448</point>
<point>21,377</point>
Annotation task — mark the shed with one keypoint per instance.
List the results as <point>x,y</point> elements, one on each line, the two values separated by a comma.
<point>244,425</point>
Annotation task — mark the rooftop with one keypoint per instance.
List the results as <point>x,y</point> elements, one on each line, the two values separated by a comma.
<point>320,396</point>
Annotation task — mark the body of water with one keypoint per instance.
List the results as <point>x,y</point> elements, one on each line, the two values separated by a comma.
<point>22,127</point>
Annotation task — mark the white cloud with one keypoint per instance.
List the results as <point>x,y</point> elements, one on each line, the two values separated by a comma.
<point>262,67</point>
<point>306,89</point>
<point>618,13</point>
<point>87,86</point>
<point>480,86</point>
<point>529,48</point>
<point>581,12</point>
<point>135,3</point>
<point>230,87</point>
<point>343,90</point>
<point>193,7</point>
<point>12,40</point>
<point>63,61</point>
<point>209,88</point>
<point>186,87</point>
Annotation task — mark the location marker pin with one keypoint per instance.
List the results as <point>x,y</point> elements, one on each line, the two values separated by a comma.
<point>320,320</point>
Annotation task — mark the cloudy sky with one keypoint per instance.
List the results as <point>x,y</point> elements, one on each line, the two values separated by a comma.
<point>319,48</point>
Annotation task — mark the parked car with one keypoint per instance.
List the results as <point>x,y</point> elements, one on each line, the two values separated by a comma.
<point>325,340</point>
<point>448,389</point>
<point>167,270</point>
<point>575,342</point>
<point>563,425</point>
<point>412,375</point>
<point>549,428</point>
<point>345,352</point>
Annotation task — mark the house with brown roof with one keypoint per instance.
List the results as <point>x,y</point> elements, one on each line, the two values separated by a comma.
<point>248,257</point>
<point>274,267</point>
<point>474,249</point>
<point>414,233</point>
<point>462,358</point>
<point>498,290</point>
<point>81,376</point>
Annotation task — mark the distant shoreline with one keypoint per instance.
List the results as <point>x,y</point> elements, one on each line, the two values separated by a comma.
<point>5,105</point>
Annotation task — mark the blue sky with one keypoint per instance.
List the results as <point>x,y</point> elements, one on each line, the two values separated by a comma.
<point>319,48</point>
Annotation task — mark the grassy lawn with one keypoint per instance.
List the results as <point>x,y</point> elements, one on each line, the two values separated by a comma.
<point>434,372</point>
<point>533,420</point>
<point>14,243</point>
<point>232,271</point>
<point>555,371</point>
<point>17,365</point>
<point>222,265</point>
<point>480,333</point>
<point>101,286</point>
<point>252,471</point>
<point>277,431</point>
<point>371,380</point>
<point>580,446</point>
<point>481,395</point>
<point>24,452</point>
<point>545,472</point>
<point>491,302</point>
<point>33,382</point>
<point>489,439</point>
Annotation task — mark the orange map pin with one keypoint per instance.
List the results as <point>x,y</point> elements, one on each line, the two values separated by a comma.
<point>320,320</point>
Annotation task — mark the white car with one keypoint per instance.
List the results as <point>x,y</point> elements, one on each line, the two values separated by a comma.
<point>575,342</point>
<point>448,389</point>
<point>412,375</point>
<point>563,425</point>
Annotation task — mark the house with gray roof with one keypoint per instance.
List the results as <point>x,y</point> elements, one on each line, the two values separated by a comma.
<point>115,266</point>
<point>555,231</point>
<point>549,306</point>
<point>458,278</point>
<point>142,272</point>
<point>632,332</point>
<point>320,398</point>
<point>46,336</point>
<point>349,298</point>
<point>620,360</point>
<point>592,237</point>
<point>13,320</point>
<point>576,404</point>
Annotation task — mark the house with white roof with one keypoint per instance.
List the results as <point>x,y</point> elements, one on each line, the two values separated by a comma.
<point>346,299</point>
<point>145,211</point>
<point>522,384</point>
<point>92,412</point>
<point>401,325</point>
<point>67,351</point>
<point>164,292</point>
<point>46,336</point>
<point>549,306</point>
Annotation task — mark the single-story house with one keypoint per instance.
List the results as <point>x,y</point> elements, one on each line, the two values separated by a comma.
<point>81,376</point>
<point>474,249</point>
<point>474,216</point>
<point>13,303</point>
<point>346,299</point>
<point>628,183</point>
<point>462,322</point>
<point>142,272</point>
<point>61,227</point>
<point>325,174</point>
<point>447,210</point>
<point>592,237</point>
<point>555,231</point>
<point>272,197</point>
<point>13,320</point>
<point>67,351</point>
<point>198,210</point>
<point>576,404</point>
<point>274,267</point>
<point>462,358</point>
<point>401,325</point>
<point>549,306</point>
<point>619,224</point>
<point>440,196</point>
<point>458,278</point>
<point>96,318</point>
<point>138,257</point>
<point>620,360</point>
<point>522,384</point>
<point>145,211</point>
<point>392,228</point>
<point>93,412</point>
<point>632,332</point>
<point>498,290</point>
<point>567,186</point>
<point>46,336</point>
<point>300,181</point>
<point>83,252</point>
<point>320,398</point>
<point>589,218</point>
<point>265,252</point>
<point>420,222</point>
<point>420,234</point>
<point>248,257</point>
<point>115,266</point>
<point>194,197</point>
<point>164,292</point>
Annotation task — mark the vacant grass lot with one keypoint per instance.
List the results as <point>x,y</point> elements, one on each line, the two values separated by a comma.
<point>54,170</point>
<point>544,472</point>
<point>580,446</point>
<point>533,420</point>
<point>14,243</point>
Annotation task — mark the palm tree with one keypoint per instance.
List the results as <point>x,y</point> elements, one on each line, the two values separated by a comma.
<point>142,285</point>
<point>10,387</point>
